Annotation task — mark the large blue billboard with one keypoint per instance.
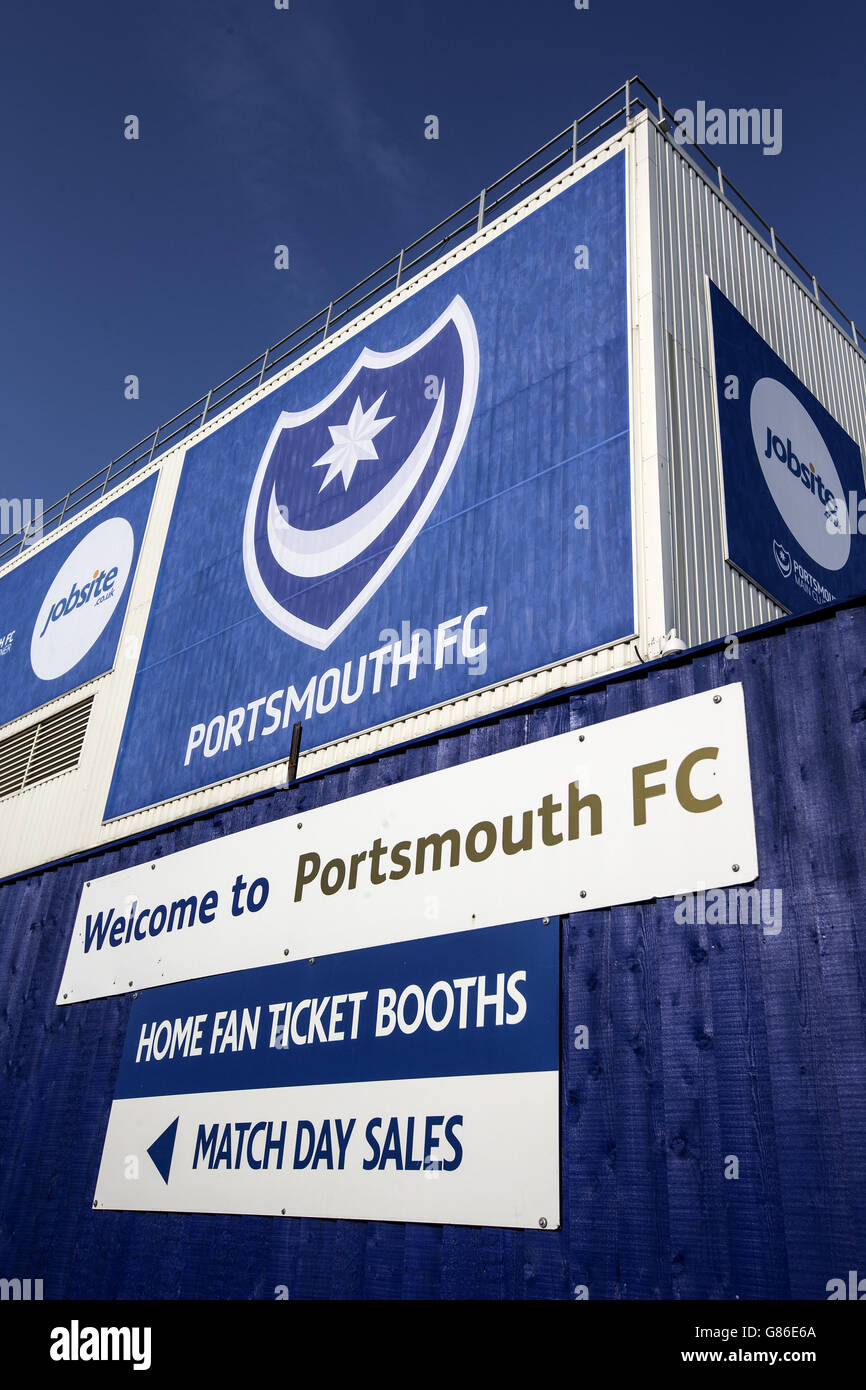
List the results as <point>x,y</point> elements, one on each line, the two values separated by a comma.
<point>793,478</point>
<point>438,504</point>
<point>62,610</point>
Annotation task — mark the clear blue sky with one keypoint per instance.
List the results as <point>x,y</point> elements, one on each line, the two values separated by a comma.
<point>306,127</point>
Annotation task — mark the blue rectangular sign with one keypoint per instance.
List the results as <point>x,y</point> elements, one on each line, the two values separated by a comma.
<point>480,1002</point>
<point>62,610</point>
<point>793,479</point>
<point>438,504</point>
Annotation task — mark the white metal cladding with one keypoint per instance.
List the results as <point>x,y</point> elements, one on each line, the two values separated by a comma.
<point>48,822</point>
<point>698,233</point>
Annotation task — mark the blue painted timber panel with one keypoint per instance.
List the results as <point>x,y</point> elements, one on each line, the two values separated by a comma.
<point>705,1041</point>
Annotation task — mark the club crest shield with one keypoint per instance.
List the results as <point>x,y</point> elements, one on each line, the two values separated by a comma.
<point>343,488</point>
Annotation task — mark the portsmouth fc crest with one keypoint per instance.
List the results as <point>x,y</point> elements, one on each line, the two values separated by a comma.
<point>343,488</point>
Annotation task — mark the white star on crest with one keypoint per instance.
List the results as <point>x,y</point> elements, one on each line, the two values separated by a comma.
<point>352,442</point>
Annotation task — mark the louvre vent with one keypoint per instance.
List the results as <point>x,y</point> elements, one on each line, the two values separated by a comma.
<point>45,749</point>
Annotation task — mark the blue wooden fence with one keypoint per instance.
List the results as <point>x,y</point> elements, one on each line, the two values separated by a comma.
<point>706,1042</point>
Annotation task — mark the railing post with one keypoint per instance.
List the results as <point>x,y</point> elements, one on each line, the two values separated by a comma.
<point>264,365</point>
<point>328,320</point>
<point>773,240</point>
<point>816,289</point>
<point>627,100</point>
<point>107,476</point>
<point>153,445</point>
<point>63,509</point>
<point>482,195</point>
<point>854,332</point>
<point>721,179</point>
<point>574,143</point>
<point>399,268</point>
<point>206,404</point>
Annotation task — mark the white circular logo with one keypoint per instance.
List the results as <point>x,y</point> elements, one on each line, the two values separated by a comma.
<point>799,472</point>
<point>82,598</point>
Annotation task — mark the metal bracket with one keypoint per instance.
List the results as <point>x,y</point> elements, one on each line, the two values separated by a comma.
<point>294,754</point>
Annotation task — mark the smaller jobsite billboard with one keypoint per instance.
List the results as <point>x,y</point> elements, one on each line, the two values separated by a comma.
<point>435,505</point>
<point>62,609</point>
<point>793,478</point>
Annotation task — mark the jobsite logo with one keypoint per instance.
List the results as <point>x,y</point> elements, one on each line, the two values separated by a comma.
<point>81,599</point>
<point>804,483</point>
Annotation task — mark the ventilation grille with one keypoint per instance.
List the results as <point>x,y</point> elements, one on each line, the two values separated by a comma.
<point>45,749</point>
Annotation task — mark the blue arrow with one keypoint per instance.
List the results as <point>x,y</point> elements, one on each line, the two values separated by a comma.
<point>162,1150</point>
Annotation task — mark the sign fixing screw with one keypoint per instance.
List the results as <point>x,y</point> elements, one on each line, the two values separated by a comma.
<point>736,868</point>
<point>717,699</point>
<point>542,1221</point>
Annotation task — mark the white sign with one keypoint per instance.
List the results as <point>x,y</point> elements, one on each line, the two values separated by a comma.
<point>647,805</point>
<point>313,1151</point>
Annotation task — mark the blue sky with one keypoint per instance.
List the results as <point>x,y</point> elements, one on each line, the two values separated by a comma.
<point>306,127</point>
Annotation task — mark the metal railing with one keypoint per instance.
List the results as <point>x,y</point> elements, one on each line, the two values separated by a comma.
<point>563,150</point>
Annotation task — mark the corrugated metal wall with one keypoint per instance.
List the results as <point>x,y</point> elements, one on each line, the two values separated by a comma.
<point>699,234</point>
<point>704,1042</point>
